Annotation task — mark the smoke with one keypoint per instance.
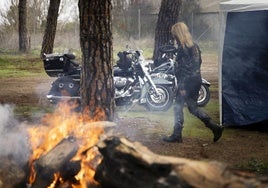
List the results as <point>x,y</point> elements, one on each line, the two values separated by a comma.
<point>13,136</point>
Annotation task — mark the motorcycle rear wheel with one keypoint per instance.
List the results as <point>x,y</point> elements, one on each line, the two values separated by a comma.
<point>161,101</point>
<point>204,95</point>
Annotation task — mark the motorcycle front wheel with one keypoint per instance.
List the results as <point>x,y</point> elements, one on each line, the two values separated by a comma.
<point>204,95</point>
<point>161,100</point>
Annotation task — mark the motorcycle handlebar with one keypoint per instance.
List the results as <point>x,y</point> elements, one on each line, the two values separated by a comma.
<point>167,49</point>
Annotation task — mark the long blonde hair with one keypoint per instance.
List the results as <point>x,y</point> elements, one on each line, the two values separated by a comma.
<point>181,33</point>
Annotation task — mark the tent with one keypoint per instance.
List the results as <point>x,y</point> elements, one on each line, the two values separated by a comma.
<point>243,62</point>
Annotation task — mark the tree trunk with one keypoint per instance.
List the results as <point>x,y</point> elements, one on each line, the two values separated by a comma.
<point>51,26</point>
<point>97,89</point>
<point>23,33</point>
<point>168,15</point>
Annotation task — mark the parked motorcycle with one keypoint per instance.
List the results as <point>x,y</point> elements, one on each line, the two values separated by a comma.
<point>163,67</point>
<point>132,81</point>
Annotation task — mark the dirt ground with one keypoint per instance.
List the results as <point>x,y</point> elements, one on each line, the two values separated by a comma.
<point>244,147</point>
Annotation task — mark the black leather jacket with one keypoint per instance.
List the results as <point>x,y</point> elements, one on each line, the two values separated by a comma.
<point>187,66</point>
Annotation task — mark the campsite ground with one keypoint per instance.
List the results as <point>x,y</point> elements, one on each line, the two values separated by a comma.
<point>240,148</point>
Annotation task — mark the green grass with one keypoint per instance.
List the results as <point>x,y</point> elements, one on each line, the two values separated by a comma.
<point>18,65</point>
<point>193,127</point>
<point>31,112</point>
<point>254,165</point>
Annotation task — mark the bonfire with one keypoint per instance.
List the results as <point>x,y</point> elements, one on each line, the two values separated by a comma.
<point>61,126</point>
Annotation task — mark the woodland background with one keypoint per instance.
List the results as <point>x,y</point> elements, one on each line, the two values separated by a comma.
<point>133,23</point>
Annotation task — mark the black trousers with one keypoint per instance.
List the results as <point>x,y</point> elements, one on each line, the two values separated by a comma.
<point>191,86</point>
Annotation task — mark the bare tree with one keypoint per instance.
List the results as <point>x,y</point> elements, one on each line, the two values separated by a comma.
<point>169,13</point>
<point>23,33</point>
<point>36,15</point>
<point>97,89</point>
<point>9,17</point>
<point>51,26</point>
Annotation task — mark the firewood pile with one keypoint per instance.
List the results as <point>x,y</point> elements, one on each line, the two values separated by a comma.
<point>126,164</point>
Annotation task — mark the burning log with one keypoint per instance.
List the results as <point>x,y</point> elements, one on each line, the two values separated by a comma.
<point>132,165</point>
<point>57,164</point>
<point>57,161</point>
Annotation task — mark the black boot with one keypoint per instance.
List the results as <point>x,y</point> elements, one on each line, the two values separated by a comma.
<point>176,135</point>
<point>216,129</point>
<point>178,125</point>
<point>173,138</point>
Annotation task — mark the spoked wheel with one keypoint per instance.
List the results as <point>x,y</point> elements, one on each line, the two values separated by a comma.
<point>204,95</point>
<point>160,101</point>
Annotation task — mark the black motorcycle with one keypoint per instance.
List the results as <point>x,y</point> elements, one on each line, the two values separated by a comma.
<point>132,81</point>
<point>163,67</point>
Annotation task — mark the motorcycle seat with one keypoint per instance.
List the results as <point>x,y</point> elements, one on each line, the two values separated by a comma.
<point>69,55</point>
<point>123,72</point>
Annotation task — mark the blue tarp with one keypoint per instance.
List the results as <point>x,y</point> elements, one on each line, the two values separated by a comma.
<point>244,68</point>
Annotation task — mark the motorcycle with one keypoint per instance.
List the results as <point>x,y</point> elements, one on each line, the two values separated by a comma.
<point>163,67</point>
<point>132,81</point>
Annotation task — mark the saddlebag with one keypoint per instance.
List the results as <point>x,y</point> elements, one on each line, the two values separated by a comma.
<point>59,64</point>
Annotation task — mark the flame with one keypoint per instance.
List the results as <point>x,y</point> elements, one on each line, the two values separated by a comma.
<point>62,124</point>
<point>56,178</point>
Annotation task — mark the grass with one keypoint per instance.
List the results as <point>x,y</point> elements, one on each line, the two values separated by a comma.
<point>254,165</point>
<point>18,65</point>
<point>193,127</point>
<point>31,112</point>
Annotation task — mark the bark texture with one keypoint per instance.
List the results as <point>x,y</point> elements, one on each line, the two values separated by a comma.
<point>23,32</point>
<point>51,26</point>
<point>97,90</point>
<point>168,15</point>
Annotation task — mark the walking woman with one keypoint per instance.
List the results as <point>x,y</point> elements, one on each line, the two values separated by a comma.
<point>187,72</point>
